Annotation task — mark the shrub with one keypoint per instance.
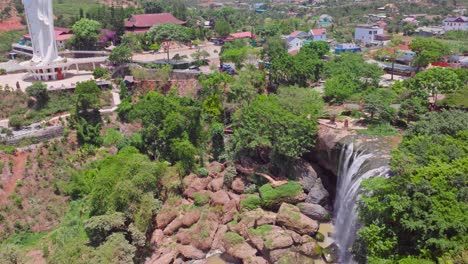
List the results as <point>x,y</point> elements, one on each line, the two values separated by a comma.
<point>201,199</point>
<point>202,172</point>
<point>251,202</point>
<point>262,230</point>
<point>229,175</point>
<point>112,137</point>
<point>273,197</point>
<point>2,71</point>
<point>252,188</point>
<point>16,121</point>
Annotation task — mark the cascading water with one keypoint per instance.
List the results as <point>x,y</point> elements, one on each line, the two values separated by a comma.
<point>354,167</point>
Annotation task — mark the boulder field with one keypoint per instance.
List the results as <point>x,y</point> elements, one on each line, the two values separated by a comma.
<point>225,213</point>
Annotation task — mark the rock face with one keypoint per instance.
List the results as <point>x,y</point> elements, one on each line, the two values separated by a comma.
<point>314,211</point>
<point>318,194</point>
<point>291,217</point>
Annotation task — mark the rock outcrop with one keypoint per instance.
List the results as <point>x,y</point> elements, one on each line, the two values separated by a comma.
<point>291,217</point>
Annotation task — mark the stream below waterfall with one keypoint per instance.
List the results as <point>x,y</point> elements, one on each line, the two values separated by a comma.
<point>355,165</point>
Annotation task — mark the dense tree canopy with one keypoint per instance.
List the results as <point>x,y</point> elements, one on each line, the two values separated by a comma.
<point>274,124</point>
<point>169,32</point>
<point>85,34</point>
<point>421,211</point>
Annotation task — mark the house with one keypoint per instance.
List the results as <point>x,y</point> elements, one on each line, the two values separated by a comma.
<point>430,31</point>
<point>141,23</point>
<point>319,34</point>
<point>294,43</point>
<point>365,33</point>
<point>347,47</point>
<point>299,34</point>
<point>455,23</point>
<point>62,35</point>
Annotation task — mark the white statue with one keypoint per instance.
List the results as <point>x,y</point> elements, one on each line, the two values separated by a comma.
<point>40,20</point>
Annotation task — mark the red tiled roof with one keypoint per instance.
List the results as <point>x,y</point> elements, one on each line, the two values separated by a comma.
<point>296,33</point>
<point>63,37</point>
<point>64,30</point>
<point>318,31</point>
<point>149,20</point>
<point>58,33</point>
<point>238,35</point>
<point>403,47</point>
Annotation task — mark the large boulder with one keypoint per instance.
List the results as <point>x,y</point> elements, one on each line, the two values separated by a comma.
<point>157,237</point>
<point>290,192</point>
<point>200,235</point>
<point>230,210</point>
<point>214,168</point>
<point>237,247</point>
<point>315,211</point>
<point>190,252</point>
<point>217,243</point>
<point>197,185</point>
<point>165,216</point>
<point>220,197</point>
<point>310,249</point>
<point>330,253</point>
<point>291,256</point>
<point>318,194</point>
<point>291,217</point>
<point>190,218</point>
<point>216,184</point>
<point>255,260</point>
<point>238,185</point>
<point>305,174</point>
<point>173,226</point>
<point>273,237</point>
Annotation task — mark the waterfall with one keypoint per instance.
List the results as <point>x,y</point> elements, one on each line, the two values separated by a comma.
<point>354,167</point>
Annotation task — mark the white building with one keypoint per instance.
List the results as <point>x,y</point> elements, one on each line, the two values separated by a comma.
<point>294,43</point>
<point>365,34</point>
<point>319,34</point>
<point>455,23</point>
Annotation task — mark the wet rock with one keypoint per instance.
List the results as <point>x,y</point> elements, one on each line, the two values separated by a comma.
<point>216,184</point>
<point>290,217</point>
<point>330,253</point>
<point>291,256</point>
<point>219,198</point>
<point>318,194</point>
<point>191,252</point>
<point>314,211</point>
<point>238,185</point>
<point>190,218</point>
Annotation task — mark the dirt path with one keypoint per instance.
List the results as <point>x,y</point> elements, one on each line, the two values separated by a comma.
<point>19,164</point>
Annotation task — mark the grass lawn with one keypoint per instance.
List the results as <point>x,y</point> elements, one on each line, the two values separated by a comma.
<point>70,8</point>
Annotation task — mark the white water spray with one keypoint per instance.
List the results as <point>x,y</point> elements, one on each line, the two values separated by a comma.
<point>350,175</point>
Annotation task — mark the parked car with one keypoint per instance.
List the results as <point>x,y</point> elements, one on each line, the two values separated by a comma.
<point>218,42</point>
<point>228,69</point>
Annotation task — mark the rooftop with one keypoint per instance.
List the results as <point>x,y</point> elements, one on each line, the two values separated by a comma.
<point>318,31</point>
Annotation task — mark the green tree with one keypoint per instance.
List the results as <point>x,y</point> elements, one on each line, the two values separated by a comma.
<point>121,54</point>
<point>235,55</point>
<point>321,48</point>
<point>100,72</point>
<point>340,88</point>
<point>200,56</point>
<point>131,41</point>
<point>98,228</point>
<point>428,50</point>
<point>169,32</point>
<point>433,82</point>
<point>222,28</point>
<point>38,90</point>
<point>267,127</point>
<point>152,7</point>
<point>87,96</point>
<point>85,34</point>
